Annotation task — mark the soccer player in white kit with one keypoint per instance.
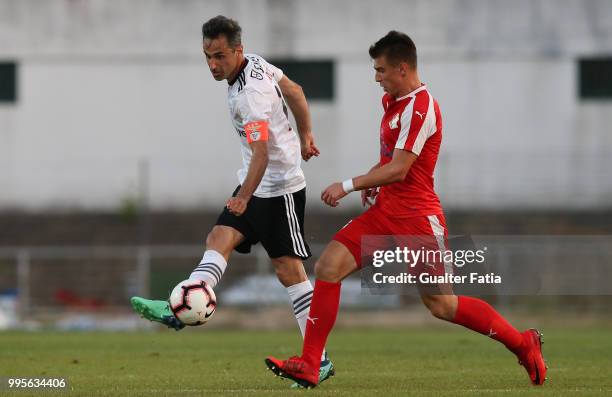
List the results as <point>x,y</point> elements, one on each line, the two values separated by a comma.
<point>268,204</point>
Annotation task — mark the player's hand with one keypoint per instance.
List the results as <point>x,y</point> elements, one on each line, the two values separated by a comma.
<point>332,195</point>
<point>309,148</point>
<point>368,196</point>
<point>237,205</point>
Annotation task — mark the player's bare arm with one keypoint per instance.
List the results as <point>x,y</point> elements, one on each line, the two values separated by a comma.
<point>294,95</point>
<point>394,171</point>
<point>259,162</point>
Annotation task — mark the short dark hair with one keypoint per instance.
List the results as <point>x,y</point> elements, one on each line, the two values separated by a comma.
<point>397,47</point>
<point>221,25</point>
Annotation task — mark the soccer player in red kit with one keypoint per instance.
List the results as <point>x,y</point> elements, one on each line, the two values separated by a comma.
<point>406,204</point>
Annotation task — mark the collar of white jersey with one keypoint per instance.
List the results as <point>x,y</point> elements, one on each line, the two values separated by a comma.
<point>413,93</point>
<point>243,66</point>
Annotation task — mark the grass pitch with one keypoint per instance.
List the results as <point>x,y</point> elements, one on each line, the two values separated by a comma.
<point>444,361</point>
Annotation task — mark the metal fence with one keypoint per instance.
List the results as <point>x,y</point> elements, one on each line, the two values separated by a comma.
<point>103,278</point>
<point>93,270</point>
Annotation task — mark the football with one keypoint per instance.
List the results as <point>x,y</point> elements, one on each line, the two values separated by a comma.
<point>193,302</point>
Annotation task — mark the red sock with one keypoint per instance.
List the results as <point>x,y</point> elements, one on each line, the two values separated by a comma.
<point>479,316</point>
<point>320,321</point>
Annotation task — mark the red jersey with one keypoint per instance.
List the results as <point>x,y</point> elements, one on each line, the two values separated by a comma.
<point>413,123</point>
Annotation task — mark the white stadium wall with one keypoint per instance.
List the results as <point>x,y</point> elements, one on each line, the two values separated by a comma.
<point>104,87</point>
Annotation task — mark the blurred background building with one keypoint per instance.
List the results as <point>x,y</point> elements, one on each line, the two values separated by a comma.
<point>113,133</point>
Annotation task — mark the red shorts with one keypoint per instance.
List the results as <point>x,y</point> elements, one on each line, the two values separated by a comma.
<point>428,232</point>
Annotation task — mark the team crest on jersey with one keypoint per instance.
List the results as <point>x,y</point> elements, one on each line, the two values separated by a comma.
<point>256,131</point>
<point>394,121</point>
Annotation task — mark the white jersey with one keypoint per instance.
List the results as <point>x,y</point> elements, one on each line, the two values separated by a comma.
<point>254,96</point>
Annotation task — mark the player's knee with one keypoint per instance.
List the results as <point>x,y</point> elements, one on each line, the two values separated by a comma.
<point>286,276</point>
<point>212,240</point>
<point>218,240</point>
<point>326,271</point>
<point>439,306</point>
<point>289,270</point>
<point>335,263</point>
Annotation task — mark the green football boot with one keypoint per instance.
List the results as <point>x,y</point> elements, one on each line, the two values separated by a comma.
<point>155,310</point>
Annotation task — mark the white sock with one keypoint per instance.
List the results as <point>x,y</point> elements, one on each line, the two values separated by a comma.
<point>211,268</point>
<point>301,295</point>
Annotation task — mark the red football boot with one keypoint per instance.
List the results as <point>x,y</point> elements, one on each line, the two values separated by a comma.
<point>295,369</point>
<point>531,357</point>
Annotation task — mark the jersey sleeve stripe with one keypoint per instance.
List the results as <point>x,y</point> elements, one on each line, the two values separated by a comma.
<point>414,124</point>
<point>405,126</point>
<point>428,129</point>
